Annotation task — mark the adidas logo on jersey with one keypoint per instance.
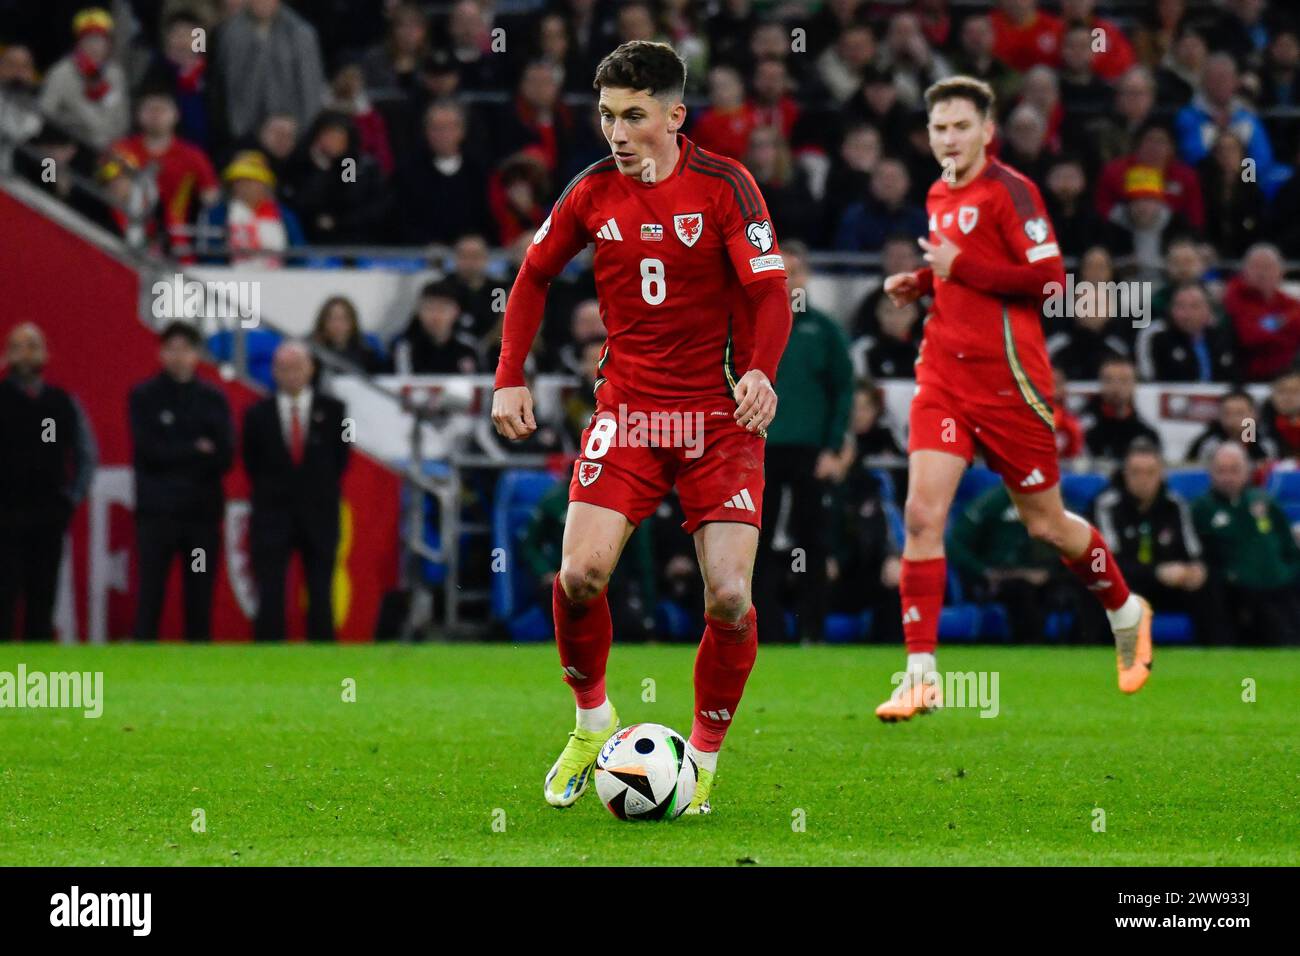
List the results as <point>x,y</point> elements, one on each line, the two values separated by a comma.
<point>1035,477</point>
<point>610,231</point>
<point>723,714</point>
<point>741,501</point>
<point>912,615</point>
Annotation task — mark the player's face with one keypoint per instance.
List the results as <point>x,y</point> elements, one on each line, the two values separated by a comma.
<point>958,135</point>
<point>638,128</point>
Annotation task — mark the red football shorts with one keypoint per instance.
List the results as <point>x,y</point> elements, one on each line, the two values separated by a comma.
<point>633,456</point>
<point>1015,440</point>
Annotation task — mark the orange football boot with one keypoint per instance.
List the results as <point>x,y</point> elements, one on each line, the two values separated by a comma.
<point>1134,652</point>
<point>910,698</point>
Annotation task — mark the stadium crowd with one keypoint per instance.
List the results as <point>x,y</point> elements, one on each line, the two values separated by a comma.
<point>1162,137</point>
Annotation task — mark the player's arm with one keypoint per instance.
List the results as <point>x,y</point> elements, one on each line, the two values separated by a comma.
<point>1036,256</point>
<point>752,248</point>
<point>558,240</point>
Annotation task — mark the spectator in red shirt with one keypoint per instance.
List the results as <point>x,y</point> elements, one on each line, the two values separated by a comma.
<point>726,123</point>
<point>772,104</point>
<point>1154,148</point>
<point>1115,54</point>
<point>1280,416</point>
<point>1024,36</point>
<point>1265,319</point>
<point>537,119</point>
<point>184,176</point>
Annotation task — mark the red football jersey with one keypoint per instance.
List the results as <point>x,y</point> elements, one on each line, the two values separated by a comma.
<point>984,337</point>
<point>670,264</point>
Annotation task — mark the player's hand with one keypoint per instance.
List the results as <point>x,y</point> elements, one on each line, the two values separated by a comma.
<point>940,255</point>
<point>512,412</point>
<point>755,402</point>
<point>902,289</point>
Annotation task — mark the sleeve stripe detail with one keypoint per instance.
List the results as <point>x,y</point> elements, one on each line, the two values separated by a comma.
<point>1021,197</point>
<point>600,166</point>
<point>746,194</point>
<point>1045,251</point>
<point>741,175</point>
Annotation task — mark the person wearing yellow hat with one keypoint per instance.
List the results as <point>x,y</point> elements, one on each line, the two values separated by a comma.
<point>254,226</point>
<point>86,91</point>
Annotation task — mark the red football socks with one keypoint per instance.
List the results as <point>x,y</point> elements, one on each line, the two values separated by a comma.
<point>583,634</point>
<point>1099,572</point>
<point>722,665</point>
<point>920,597</point>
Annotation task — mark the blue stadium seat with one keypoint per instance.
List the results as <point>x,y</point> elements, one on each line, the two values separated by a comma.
<point>960,622</point>
<point>976,480</point>
<point>1079,490</point>
<point>393,263</point>
<point>673,622</point>
<point>1172,629</point>
<point>996,623</point>
<point>1058,624</point>
<point>1284,486</point>
<point>886,486</point>
<point>1189,483</point>
<point>517,494</point>
<point>533,625</point>
<point>260,345</point>
<point>847,628</point>
<point>375,343</point>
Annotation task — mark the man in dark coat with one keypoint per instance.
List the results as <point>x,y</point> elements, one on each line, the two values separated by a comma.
<point>183,442</point>
<point>295,452</point>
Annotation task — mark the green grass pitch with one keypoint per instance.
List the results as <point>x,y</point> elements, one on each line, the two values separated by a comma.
<point>440,760</point>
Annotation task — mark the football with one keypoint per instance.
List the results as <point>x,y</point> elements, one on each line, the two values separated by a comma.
<point>644,773</point>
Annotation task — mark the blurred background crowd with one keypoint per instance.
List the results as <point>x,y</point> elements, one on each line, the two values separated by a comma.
<point>270,134</point>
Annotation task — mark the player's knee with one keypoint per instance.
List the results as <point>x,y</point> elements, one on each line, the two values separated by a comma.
<point>922,520</point>
<point>582,580</point>
<point>1046,529</point>
<point>726,600</point>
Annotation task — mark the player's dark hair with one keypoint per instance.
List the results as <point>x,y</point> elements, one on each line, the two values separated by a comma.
<point>643,65</point>
<point>1237,393</point>
<point>1291,371</point>
<point>968,88</point>
<point>178,329</point>
<point>1114,358</point>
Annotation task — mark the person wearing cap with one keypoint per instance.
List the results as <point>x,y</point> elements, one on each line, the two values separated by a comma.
<point>1137,226</point>
<point>250,223</point>
<point>86,92</point>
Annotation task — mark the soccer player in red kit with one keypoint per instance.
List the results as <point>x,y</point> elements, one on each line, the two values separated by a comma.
<point>982,381</point>
<point>692,292</point>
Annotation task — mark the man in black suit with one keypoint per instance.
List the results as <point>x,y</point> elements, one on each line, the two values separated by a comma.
<point>49,460</point>
<point>295,453</point>
<point>183,440</point>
